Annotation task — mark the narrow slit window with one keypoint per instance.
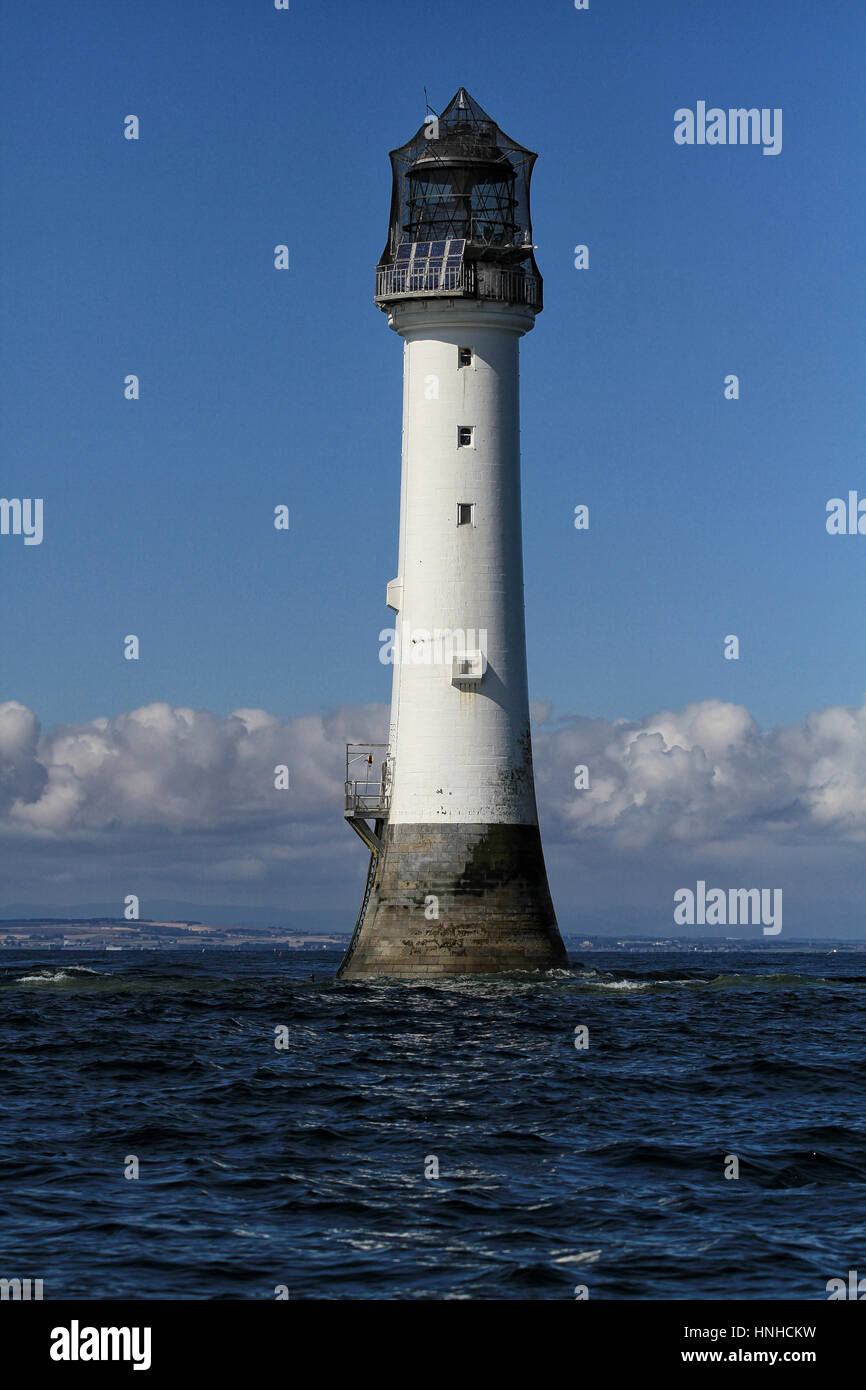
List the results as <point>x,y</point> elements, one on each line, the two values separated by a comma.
<point>465,513</point>
<point>464,357</point>
<point>464,436</point>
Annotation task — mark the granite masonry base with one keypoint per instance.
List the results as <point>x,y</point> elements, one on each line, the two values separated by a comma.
<point>493,902</point>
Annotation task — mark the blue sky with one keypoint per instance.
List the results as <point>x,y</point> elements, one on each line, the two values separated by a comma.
<point>261,387</point>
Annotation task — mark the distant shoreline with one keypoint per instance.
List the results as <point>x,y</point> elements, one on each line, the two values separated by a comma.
<point>100,933</point>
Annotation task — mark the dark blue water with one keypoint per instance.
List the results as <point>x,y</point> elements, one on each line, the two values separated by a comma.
<point>557,1167</point>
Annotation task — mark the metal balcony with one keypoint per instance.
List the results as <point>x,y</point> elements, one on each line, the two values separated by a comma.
<point>468,280</point>
<point>366,799</point>
<point>367,791</point>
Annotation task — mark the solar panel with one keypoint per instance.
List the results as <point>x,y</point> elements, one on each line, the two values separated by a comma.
<point>428,266</point>
<point>434,269</point>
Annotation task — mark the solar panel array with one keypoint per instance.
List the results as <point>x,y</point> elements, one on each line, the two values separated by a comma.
<point>421,266</point>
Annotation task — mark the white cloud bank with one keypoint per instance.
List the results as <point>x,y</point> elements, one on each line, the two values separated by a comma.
<point>186,800</point>
<point>708,773</point>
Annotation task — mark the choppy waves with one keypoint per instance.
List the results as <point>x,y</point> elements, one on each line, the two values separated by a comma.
<point>311,1165</point>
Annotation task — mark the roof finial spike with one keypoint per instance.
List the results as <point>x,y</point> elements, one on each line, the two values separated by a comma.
<point>462,103</point>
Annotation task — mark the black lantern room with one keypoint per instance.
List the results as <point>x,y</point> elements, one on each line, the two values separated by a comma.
<point>460,222</point>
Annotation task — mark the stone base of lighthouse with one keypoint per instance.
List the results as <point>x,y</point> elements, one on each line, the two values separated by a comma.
<point>490,889</point>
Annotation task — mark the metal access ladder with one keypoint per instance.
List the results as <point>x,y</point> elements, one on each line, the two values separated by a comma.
<point>368,888</point>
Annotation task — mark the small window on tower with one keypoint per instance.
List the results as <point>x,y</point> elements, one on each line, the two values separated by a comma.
<point>464,357</point>
<point>464,436</point>
<point>465,513</point>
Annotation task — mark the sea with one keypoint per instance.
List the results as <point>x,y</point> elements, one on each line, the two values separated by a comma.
<point>238,1124</point>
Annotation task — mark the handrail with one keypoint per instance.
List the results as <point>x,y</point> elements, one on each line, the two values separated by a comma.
<point>479,282</point>
<point>365,798</point>
<point>370,794</point>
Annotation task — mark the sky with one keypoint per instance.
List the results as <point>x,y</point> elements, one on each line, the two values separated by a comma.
<point>261,387</point>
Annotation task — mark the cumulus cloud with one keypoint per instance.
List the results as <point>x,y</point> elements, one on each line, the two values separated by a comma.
<point>179,803</point>
<point>706,774</point>
<point>22,776</point>
<point>176,769</point>
<point>184,801</point>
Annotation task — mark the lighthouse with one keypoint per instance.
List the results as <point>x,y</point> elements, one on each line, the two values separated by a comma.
<point>456,882</point>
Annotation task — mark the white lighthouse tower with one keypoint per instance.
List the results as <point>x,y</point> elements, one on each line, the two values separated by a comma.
<point>456,882</point>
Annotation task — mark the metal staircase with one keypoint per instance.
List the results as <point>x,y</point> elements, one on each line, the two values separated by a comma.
<point>368,888</point>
